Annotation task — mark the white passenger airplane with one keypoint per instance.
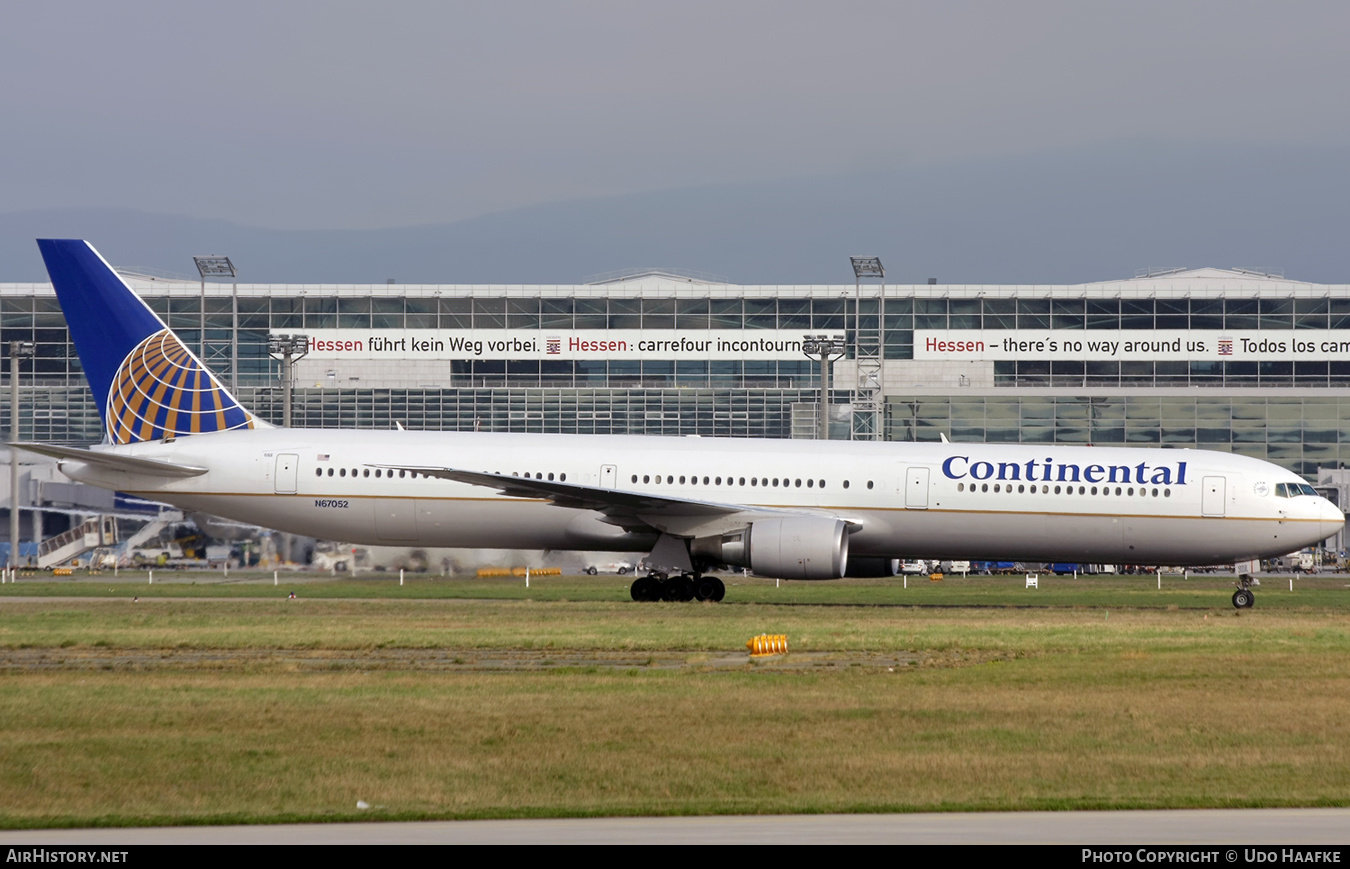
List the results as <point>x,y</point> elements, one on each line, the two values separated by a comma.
<point>781,508</point>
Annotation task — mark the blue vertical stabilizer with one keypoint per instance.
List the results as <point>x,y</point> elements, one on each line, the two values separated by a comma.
<point>146,383</point>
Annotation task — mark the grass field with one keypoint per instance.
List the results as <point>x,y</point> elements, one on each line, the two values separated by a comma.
<point>1133,591</point>
<point>224,702</point>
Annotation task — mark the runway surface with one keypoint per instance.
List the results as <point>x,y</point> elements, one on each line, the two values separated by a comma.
<point>1216,827</point>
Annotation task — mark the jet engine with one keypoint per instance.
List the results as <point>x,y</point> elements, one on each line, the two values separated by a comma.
<point>868,566</point>
<point>792,547</point>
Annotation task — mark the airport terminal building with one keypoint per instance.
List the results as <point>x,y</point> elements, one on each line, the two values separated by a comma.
<point>1232,360</point>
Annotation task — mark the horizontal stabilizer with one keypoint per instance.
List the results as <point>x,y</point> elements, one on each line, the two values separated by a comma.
<point>114,461</point>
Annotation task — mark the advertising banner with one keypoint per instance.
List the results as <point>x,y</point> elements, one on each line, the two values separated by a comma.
<point>544,344</point>
<point>1163,345</point>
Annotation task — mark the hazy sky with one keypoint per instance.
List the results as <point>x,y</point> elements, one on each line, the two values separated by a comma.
<point>359,115</point>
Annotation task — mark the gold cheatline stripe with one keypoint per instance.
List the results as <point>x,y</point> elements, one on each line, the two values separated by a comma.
<point>845,510</point>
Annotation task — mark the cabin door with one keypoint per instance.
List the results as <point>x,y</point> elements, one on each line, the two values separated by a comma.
<point>287,469</point>
<point>1213,493</point>
<point>916,488</point>
<point>609,475</point>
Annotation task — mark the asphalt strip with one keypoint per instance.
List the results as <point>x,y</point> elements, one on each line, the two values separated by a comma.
<point>1223,831</point>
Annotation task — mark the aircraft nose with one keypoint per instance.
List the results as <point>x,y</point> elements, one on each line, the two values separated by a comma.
<point>1330,518</point>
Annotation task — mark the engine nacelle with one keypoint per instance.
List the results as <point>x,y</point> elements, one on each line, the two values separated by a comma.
<point>793,547</point>
<point>871,566</point>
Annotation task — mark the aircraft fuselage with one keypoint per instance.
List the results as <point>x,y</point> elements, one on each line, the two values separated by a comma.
<point>931,500</point>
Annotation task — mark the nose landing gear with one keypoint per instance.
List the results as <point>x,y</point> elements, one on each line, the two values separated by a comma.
<point>1244,597</point>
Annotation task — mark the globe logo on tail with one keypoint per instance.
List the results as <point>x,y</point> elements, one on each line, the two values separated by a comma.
<point>162,390</point>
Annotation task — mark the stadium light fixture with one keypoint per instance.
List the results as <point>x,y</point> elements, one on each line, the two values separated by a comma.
<point>867,267</point>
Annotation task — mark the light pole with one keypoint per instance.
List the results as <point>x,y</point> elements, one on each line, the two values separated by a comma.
<point>869,352</point>
<point>287,348</point>
<point>17,350</point>
<point>215,266</point>
<point>827,348</point>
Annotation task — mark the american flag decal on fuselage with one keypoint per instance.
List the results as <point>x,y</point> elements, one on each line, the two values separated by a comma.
<point>162,390</point>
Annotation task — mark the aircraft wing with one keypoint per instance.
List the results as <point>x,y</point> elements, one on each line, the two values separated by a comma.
<point>633,511</point>
<point>114,461</point>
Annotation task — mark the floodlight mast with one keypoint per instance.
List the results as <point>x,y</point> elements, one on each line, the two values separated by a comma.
<point>827,348</point>
<point>287,348</point>
<point>17,350</point>
<point>215,266</point>
<point>869,352</point>
<point>867,267</point>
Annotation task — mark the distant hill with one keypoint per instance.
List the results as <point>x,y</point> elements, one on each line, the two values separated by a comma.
<point>1067,217</point>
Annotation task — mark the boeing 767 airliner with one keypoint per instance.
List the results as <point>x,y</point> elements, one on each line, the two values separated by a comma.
<point>780,508</point>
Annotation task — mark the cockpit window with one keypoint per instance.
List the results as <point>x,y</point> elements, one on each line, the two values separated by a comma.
<point>1291,490</point>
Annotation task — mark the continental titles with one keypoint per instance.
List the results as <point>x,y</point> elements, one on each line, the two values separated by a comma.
<point>1050,471</point>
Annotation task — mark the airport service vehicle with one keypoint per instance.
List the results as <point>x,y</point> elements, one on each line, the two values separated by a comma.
<point>793,509</point>
<point>1295,562</point>
<point>622,568</point>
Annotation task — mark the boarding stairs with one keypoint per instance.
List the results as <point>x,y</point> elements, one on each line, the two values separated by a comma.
<point>150,530</point>
<point>88,535</point>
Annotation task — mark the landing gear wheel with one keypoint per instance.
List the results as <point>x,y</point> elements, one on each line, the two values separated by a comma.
<point>709,588</point>
<point>645,589</point>
<point>678,589</point>
<point>1243,598</point>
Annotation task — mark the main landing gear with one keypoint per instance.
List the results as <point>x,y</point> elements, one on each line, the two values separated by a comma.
<point>1243,598</point>
<point>683,587</point>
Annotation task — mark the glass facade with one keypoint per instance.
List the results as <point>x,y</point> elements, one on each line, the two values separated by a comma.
<point>1302,432</point>
<point>1294,413</point>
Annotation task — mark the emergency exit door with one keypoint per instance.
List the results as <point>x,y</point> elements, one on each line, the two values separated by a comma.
<point>1213,493</point>
<point>916,488</point>
<point>286,473</point>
